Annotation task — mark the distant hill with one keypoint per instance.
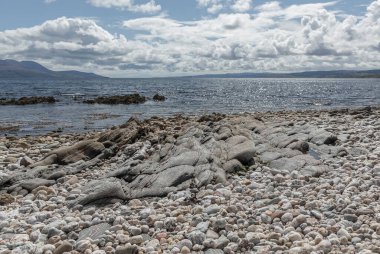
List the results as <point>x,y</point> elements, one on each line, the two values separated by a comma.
<point>11,69</point>
<point>306,74</point>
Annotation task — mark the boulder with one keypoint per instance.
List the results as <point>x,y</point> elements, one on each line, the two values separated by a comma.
<point>242,149</point>
<point>64,247</point>
<point>320,137</point>
<point>99,190</point>
<point>233,166</point>
<point>26,161</point>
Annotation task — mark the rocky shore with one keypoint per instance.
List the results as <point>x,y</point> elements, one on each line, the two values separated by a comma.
<point>275,182</point>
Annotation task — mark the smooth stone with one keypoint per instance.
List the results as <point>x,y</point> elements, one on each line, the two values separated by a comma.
<point>64,247</point>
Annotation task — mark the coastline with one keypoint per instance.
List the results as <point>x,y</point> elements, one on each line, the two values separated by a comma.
<point>296,181</point>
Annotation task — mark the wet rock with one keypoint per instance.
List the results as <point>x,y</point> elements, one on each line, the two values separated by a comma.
<point>118,99</point>
<point>158,97</point>
<point>28,100</point>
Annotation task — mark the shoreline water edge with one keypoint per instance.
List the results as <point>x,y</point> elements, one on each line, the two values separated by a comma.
<point>268,182</point>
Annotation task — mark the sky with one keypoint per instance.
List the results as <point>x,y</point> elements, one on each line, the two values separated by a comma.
<point>151,38</point>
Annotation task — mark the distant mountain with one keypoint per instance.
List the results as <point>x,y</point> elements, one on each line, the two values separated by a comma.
<point>306,74</point>
<point>11,69</point>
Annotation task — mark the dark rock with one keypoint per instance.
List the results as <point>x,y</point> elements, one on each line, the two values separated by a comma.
<point>56,175</point>
<point>118,99</point>
<point>64,247</point>
<point>158,97</point>
<point>351,217</point>
<point>26,161</point>
<point>53,232</point>
<point>6,199</point>
<point>28,100</point>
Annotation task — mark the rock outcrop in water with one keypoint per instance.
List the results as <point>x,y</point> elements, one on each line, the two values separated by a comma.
<point>158,97</point>
<point>118,99</point>
<point>28,100</point>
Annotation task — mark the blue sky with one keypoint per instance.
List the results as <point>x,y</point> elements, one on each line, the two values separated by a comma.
<point>123,38</point>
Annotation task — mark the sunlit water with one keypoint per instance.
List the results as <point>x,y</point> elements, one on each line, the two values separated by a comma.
<point>184,95</point>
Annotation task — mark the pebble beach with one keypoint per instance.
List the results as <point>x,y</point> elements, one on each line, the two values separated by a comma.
<point>273,182</point>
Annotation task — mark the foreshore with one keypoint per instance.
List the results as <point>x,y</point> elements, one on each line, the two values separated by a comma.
<point>273,182</point>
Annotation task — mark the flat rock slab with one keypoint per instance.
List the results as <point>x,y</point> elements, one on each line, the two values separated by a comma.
<point>100,190</point>
<point>84,150</point>
<point>267,157</point>
<point>94,232</point>
<point>37,182</point>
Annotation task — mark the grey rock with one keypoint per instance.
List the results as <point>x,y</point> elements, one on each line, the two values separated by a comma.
<point>320,137</point>
<point>185,242</point>
<point>26,161</point>
<point>214,251</point>
<point>212,209</point>
<point>351,217</point>
<point>100,190</point>
<point>134,230</point>
<point>243,152</point>
<point>196,237</point>
<point>267,157</point>
<point>129,249</point>
<point>53,232</point>
<point>34,183</point>
<point>94,232</point>
<point>233,166</point>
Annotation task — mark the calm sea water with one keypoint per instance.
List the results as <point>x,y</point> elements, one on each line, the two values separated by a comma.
<point>184,95</point>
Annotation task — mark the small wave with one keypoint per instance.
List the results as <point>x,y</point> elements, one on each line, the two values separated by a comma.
<point>72,94</point>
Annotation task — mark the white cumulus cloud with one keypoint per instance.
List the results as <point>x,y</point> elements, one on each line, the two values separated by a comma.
<point>216,6</point>
<point>130,5</point>
<point>241,5</point>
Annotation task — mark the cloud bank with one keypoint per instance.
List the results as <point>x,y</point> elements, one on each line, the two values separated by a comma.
<point>273,38</point>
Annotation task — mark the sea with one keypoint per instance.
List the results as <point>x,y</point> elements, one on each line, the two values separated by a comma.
<point>189,96</point>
